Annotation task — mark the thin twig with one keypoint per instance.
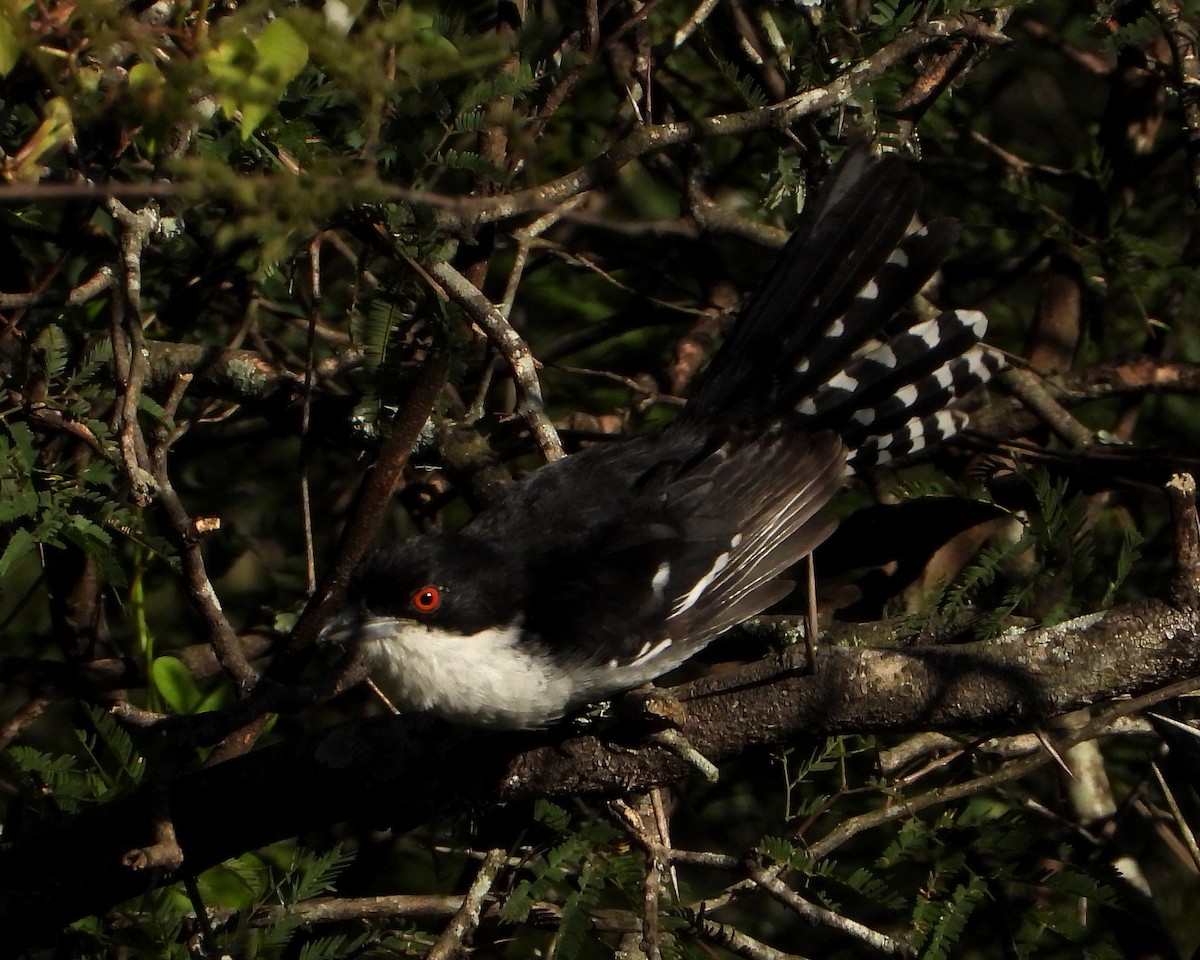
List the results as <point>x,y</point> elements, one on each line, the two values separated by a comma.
<point>96,284</point>
<point>512,347</point>
<point>310,562</point>
<point>1185,830</point>
<point>525,238</point>
<point>1185,586</point>
<point>648,138</point>
<point>1025,385</point>
<point>23,716</point>
<point>466,918</point>
<point>1013,770</point>
<point>129,342</point>
<point>1181,34</point>
<point>820,916</point>
<point>693,22</point>
<point>378,483</point>
<point>737,942</point>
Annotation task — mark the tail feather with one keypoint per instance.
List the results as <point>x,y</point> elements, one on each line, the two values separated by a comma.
<point>911,356</point>
<point>835,252</point>
<point>913,402</point>
<point>906,270</point>
<point>911,438</point>
<point>825,343</point>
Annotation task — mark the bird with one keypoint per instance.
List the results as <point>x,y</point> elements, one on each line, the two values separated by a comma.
<point>604,570</point>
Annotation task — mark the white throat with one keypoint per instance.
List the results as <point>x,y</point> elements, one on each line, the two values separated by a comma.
<point>491,678</point>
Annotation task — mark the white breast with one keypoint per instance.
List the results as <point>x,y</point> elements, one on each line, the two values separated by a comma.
<point>486,679</point>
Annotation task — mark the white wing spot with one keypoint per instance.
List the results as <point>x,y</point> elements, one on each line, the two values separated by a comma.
<point>661,576</point>
<point>685,603</point>
<point>977,362</point>
<point>976,320</point>
<point>908,395</point>
<point>843,381</point>
<point>649,653</point>
<point>886,356</point>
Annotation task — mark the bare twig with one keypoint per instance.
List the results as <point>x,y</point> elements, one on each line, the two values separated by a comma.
<point>693,22</point>
<point>735,941</point>
<point>314,299</point>
<point>895,759</point>
<point>1012,770</point>
<point>1182,36</point>
<point>512,347</point>
<point>129,348</point>
<point>49,417</point>
<point>525,238</point>
<point>939,72</point>
<point>23,716</point>
<point>165,853</point>
<point>820,916</point>
<point>1185,588</point>
<point>466,918</point>
<point>376,490</point>
<point>100,281</point>
<point>1181,824</point>
<point>187,532</point>
<point>1030,390</point>
<point>649,138</point>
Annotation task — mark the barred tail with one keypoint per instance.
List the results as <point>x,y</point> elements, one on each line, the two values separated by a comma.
<point>824,342</point>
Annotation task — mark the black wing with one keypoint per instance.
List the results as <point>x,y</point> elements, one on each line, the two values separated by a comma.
<point>696,550</point>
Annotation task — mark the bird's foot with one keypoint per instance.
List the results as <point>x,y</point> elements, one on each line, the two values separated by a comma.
<point>653,706</point>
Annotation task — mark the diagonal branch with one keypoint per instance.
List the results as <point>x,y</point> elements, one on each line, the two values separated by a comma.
<point>649,138</point>
<point>512,347</point>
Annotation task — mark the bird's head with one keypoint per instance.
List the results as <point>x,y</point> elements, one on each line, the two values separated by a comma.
<point>448,583</point>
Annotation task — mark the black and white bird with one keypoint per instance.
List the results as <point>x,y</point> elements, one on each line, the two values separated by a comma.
<point>609,568</point>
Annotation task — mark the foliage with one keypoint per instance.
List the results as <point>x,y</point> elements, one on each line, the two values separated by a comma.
<point>305,165</point>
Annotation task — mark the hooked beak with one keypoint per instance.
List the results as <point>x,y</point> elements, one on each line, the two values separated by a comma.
<point>354,625</point>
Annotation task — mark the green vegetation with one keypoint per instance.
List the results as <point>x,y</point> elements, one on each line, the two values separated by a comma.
<point>237,241</point>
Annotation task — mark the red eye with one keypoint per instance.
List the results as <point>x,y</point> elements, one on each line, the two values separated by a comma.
<point>427,599</point>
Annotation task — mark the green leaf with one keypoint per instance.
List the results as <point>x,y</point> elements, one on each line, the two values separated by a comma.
<point>552,815</point>
<point>252,75</point>
<point>10,40</point>
<point>19,547</point>
<point>316,876</point>
<point>94,540</point>
<point>329,948</point>
<point>18,504</point>
<point>118,742</point>
<point>52,342</point>
<point>234,884</point>
<point>174,682</point>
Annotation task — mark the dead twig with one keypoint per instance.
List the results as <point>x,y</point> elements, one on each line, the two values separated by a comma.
<point>1185,586</point>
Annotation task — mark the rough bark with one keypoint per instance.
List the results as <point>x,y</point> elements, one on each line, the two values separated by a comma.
<point>400,772</point>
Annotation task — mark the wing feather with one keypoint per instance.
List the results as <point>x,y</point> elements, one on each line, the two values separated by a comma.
<point>695,567</point>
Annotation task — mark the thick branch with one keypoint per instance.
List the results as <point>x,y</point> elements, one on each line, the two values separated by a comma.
<point>364,770</point>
